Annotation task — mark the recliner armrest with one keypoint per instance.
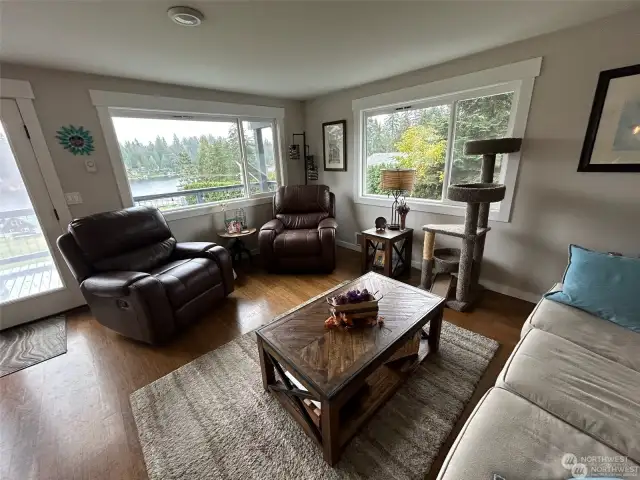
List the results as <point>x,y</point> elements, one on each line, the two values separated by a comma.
<point>191,249</point>
<point>328,223</point>
<point>210,250</point>
<point>327,234</point>
<point>266,237</point>
<point>275,225</point>
<point>112,284</point>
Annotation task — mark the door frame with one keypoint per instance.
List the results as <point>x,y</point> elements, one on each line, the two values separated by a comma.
<point>21,93</point>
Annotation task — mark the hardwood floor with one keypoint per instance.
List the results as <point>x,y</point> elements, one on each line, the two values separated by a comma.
<point>70,418</point>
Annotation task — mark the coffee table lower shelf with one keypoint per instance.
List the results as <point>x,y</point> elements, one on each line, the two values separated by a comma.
<point>378,388</point>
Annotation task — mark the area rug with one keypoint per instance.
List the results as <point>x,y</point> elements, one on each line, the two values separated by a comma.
<point>212,419</point>
<point>32,343</point>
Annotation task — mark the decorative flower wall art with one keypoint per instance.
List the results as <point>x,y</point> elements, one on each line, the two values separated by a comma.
<point>77,140</point>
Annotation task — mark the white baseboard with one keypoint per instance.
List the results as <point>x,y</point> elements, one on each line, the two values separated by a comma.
<point>488,284</point>
<point>497,287</point>
<point>350,246</point>
<point>510,291</point>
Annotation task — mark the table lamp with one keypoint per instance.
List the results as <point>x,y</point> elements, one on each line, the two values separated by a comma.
<point>397,182</point>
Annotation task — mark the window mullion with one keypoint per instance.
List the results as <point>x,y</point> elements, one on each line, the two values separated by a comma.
<point>243,157</point>
<point>275,128</point>
<point>448,163</point>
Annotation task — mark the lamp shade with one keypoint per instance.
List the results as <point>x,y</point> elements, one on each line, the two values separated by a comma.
<point>398,179</point>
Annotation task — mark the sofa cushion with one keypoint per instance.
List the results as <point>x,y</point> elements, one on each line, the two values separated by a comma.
<point>297,243</point>
<point>590,392</point>
<point>600,336</point>
<point>184,280</point>
<point>602,284</point>
<point>511,437</point>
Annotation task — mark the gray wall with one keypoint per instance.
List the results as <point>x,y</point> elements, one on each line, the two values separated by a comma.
<point>62,98</point>
<point>553,205</point>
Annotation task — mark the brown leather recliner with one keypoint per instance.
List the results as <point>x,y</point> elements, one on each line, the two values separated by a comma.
<point>137,279</point>
<point>302,236</point>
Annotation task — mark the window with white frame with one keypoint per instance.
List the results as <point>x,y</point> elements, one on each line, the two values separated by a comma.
<point>412,129</point>
<point>187,156</point>
<point>175,161</point>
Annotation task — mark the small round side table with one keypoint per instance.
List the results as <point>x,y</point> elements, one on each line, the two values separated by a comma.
<point>236,245</point>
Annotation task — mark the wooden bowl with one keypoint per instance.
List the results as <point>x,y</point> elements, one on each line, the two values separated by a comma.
<point>362,309</point>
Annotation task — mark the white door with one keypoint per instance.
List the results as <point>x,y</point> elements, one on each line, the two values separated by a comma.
<point>34,280</point>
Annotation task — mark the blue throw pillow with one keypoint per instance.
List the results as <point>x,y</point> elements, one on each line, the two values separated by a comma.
<point>602,284</point>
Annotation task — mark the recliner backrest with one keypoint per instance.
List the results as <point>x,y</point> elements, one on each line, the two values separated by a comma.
<point>303,206</point>
<point>136,238</point>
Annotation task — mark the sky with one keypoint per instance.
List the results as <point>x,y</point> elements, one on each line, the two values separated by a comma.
<point>147,129</point>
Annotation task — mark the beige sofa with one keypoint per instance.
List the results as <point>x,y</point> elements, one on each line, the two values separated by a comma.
<point>569,394</point>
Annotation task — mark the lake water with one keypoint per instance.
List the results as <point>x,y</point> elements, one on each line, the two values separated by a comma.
<point>154,186</point>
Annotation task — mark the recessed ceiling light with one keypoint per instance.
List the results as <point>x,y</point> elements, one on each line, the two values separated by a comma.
<point>186,16</point>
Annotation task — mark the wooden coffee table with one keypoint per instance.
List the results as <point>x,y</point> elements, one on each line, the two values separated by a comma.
<point>333,380</point>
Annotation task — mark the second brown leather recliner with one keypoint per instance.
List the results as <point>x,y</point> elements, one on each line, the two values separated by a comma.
<point>302,235</point>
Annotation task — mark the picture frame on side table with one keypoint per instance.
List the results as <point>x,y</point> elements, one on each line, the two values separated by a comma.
<point>612,141</point>
<point>334,141</point>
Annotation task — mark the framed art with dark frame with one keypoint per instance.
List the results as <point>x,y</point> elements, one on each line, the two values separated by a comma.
<point>334,141</point>
<point>612,141</point>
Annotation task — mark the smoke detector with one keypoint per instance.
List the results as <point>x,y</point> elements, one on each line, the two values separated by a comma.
<point>186,16</point>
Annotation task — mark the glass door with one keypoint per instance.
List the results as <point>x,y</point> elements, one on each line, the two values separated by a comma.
<point>33,277</point>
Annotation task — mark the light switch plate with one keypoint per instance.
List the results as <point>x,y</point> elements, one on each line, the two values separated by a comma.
<point>73,198</point>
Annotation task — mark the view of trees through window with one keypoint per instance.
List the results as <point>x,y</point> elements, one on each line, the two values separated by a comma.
<point>418,138</point>
<point>163,158</point>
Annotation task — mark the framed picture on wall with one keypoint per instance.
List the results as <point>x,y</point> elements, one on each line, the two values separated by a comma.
<point>612,141</point>
<point>334,139</point>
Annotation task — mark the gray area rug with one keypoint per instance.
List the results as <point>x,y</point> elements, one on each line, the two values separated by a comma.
<point>32,343</point>
<point>212,419</point>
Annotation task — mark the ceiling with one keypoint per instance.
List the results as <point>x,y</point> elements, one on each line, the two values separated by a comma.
<point>295,49</point>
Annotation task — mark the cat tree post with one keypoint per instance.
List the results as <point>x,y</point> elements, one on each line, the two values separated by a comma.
<point>473,194</point>
<point>466,253</point>
<point>466,262</point>
<point>488,149</point>
<point>426,279</point>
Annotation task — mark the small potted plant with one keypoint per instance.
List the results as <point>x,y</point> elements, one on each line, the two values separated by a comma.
<point>402,209</point>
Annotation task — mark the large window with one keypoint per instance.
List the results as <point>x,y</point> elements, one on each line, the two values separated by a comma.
<point>420,137</point>
<point>173,163</point>
<point>412,129</point>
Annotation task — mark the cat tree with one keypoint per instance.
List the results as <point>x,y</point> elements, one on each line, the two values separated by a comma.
<point>440,265</point>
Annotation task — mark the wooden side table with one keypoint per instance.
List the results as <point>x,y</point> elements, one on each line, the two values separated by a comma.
<point>398,241</point>
<point>236,246</point>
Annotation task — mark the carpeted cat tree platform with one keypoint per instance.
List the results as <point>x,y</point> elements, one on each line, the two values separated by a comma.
<point>441,267</point>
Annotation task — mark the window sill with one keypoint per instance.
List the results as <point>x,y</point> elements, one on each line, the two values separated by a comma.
<point>428,207</point>
<point>211,208</point>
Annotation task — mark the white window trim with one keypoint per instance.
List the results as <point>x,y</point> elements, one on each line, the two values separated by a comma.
<point>520,76</point>
<point>107,103</point>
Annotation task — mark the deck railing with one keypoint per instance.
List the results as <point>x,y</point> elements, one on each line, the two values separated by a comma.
<point>183,198</point>
<point>21,238</point>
